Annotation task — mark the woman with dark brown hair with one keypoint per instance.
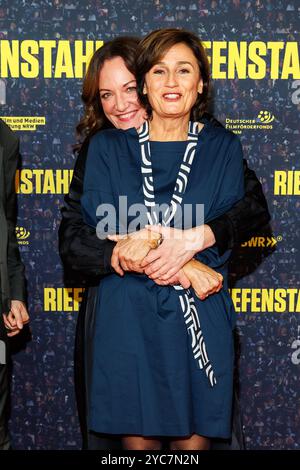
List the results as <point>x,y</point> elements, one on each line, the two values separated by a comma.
<point>148,379</point>
<point>87,258</point>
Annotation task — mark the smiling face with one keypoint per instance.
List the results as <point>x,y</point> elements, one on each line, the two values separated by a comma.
<point>172,84</point>
<point>118,95</point>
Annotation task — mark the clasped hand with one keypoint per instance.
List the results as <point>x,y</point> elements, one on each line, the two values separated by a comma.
<point>16,318</point>
<point>168,263</point>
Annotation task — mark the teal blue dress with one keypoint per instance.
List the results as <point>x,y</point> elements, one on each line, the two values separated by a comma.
<point>145,380</point>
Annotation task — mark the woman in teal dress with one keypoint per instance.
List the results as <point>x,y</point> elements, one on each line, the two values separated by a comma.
<point>163,358</point>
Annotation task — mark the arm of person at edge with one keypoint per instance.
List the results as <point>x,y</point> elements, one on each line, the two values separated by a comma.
<point>86,258</point>
<point>17,316</point>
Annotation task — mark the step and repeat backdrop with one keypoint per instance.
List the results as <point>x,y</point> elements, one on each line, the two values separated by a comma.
<point>254,52</point>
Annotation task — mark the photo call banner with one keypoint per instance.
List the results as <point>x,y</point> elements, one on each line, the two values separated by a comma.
<point>253,48</point>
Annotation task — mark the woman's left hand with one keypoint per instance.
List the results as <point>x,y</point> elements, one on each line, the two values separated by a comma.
<point>131,249</point>
<point>16,317</point>
<point>177,248</point>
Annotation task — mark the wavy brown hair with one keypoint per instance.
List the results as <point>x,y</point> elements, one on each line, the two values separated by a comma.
<point>154,46</point>
<point>94,118</point>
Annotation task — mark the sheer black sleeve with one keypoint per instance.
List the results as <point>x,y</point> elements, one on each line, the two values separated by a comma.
<point>85,257</point>
<point>245,218</point>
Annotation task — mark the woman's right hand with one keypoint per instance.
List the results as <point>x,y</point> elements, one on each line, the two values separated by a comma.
<point>204,280</point>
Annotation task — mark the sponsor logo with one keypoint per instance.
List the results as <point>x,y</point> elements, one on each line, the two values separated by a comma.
<point>261,122</point>
<point>22,234</point>
<point>265,116</point>
<point>24,123</point>
<point>261,242</point>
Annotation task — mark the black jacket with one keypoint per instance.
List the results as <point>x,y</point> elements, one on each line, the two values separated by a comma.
<point>12,279</point>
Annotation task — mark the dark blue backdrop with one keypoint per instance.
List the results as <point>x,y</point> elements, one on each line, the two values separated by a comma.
<point>43,408</point>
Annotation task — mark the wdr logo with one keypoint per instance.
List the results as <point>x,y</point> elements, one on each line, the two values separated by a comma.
<point>265,117</point>
<point>22,234</point>
<point>262,242</point>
